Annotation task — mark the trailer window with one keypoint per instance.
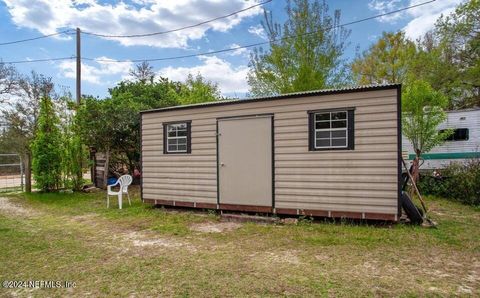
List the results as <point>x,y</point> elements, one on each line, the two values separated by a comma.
<point>330,130</point>
<point>459,134</point>
<point>176,137</point>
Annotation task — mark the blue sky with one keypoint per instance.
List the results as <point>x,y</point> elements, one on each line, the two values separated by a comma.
<point>29,18</point>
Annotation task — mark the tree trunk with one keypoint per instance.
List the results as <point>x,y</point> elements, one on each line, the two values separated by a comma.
<point>415,171</point>
<point>79,166</point>
<point>28,172</point>
<point>416,167</point>
<point>106,171</point>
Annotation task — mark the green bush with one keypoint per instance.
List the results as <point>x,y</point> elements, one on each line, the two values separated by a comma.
<point>460,182</point>
<point>46,148</point>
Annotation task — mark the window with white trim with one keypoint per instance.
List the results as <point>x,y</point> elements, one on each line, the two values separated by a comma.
<point>331,130</point>
<point>177,137</point>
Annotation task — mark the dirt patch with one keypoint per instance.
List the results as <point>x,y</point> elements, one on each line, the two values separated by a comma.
<point>86,218</point>
<point>146,239</point>
<point>215,227</point>
<point>278,257</point>
<point>9,208</point>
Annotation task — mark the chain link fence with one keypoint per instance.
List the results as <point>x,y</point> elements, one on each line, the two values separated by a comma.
<point>12,176</point>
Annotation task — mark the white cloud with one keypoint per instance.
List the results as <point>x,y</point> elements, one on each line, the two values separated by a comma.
<point>258,31</point>
<point>131,17</point>
<point>230,79</point>
<point>424,17</point>
<point>421,18</point>
<point>97,73</point>
<point>385,6</point>
<point>237,52</point>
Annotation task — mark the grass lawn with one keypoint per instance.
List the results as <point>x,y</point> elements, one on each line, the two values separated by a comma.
<point>144,251</point>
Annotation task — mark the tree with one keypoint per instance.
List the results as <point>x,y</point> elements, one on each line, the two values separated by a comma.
<point>423,111</point>
<point>161,93</point>
<point>129,98</point>
<point>434,65</point>
<point>47,148</point>
<point>74,152</point>
<point>305,53</point>
<point>457,38</point>
<point>143,73</point>
<point>112,125</point>
<point>197,90</point>
<point>96,125</point>
<point>22,117</point>
<point>386,61</point>
<point>9,81</point>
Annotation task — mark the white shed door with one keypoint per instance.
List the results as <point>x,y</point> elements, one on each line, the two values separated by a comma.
<point>245,160</point>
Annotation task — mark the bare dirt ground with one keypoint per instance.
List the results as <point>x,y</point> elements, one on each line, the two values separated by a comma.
<point>14,209</point>
<point>215,227</point>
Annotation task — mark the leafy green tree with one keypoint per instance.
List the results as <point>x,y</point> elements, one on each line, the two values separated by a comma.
<point>457,38</point>
<point>21,116</point>
<point>47,148</point>
<point>112,125</point>
<point>432,65</point>
<point>123,108</point>
<point>423,111</point>
<point>305,52</point>
<point>161,93</point>
<point>74,152</point>
<point>448,58</point>
<point>197,90</point>
<point>386,61</point>
<point>96,124</point>
<point>74,159</point>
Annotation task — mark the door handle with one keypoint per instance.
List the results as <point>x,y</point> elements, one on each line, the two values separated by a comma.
<point>222,164</point>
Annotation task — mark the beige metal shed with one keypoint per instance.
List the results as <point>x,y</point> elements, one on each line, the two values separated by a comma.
<point>332,153</point>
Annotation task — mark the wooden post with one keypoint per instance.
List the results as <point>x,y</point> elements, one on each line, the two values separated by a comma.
<point>107,164</point>
<point>28,172</point>
<point>414,184</point>
<point>79,69</point>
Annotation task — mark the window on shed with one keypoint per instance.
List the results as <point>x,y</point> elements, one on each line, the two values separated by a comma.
<point>459,134</point>
<point>331,129</point>
<point>177,137</point>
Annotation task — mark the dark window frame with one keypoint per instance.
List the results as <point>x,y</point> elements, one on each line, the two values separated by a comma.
<point>350,129</point>
<point>189,137</point>
<point>452,138</point>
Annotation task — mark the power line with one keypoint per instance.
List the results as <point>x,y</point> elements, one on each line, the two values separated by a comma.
<point>39,60</point>
<point>178,29</point>
<point>258,43</point>
<point>35,38</point>
<point>223,50</point>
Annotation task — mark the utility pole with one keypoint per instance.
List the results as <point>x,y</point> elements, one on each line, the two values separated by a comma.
<point>79,69</point>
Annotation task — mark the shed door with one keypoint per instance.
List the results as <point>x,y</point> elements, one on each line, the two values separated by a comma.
<point>245,160</point>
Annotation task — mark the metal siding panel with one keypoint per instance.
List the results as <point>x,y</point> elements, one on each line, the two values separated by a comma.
<point>282,107</point>
<point>370,168</point>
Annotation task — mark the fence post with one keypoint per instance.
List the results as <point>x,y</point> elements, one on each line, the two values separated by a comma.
<point>21,172</point>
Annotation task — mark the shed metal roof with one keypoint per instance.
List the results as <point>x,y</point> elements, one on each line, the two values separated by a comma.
<point>349,89</point>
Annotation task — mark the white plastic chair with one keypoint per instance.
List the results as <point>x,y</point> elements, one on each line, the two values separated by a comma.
<point>124,181</point>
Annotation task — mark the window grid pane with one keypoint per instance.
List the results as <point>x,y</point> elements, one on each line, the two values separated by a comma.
<point>331,129</point>
<point>177,137</point>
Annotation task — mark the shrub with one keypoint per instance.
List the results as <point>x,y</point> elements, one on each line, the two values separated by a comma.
<point>46,148</point>
<point>460,182</point>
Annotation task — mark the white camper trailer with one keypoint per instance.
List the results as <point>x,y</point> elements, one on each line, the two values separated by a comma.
<point>464,144</point>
